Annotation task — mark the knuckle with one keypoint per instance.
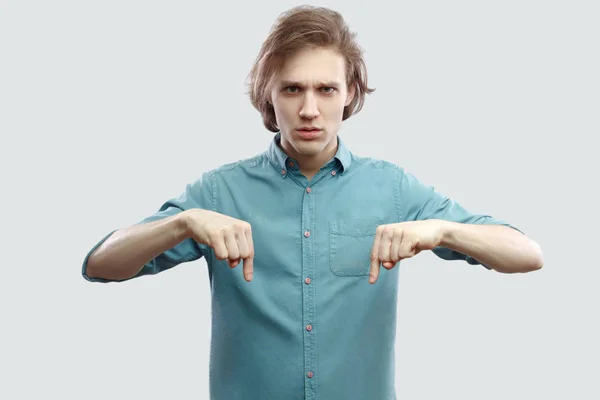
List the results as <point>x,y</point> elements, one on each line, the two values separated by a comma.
<point>241,225</point>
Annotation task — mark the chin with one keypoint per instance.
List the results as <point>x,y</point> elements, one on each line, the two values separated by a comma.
<point>308,148</point>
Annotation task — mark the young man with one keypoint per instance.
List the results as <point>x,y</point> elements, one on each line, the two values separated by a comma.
<point>295,237</point>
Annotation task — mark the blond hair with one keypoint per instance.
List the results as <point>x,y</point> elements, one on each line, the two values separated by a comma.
<point>306,27</point>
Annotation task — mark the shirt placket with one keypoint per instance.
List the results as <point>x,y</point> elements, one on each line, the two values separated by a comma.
<point>308,293</point>
<point>309,266</point>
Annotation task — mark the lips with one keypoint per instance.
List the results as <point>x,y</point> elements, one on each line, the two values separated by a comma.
<point>309,133</point>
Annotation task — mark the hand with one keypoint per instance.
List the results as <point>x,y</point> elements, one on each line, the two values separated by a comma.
<point>230,238</point>
<point>394,242</point>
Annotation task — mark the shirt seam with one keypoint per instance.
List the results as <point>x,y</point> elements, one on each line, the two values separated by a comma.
<point>214,192</point>
<point>397,193</point>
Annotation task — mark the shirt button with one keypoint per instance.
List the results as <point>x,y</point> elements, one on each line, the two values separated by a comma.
<point>306,234</point>
<point>310,374</point>
<point>333,173</point>
<point>307,281</point>
<point>290,164</point>
<point>309,328</point>
<point>308,190</point>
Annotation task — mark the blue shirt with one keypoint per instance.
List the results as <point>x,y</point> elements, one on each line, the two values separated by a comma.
<point>309,325</point>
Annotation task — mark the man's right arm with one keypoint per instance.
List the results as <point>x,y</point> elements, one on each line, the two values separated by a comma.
<point>125,252</point>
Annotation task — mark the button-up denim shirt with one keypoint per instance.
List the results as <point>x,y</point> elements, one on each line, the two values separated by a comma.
<point>309,325</point>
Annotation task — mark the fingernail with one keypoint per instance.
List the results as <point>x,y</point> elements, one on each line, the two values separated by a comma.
<point>249,277</point>
<point>372,279</point>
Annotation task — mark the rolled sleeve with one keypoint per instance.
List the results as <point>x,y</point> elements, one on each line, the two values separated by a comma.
<point>198,194</point>
<point>418,201</point>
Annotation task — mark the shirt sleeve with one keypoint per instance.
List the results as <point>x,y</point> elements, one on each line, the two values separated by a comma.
<point>198,194</point>
<point>418,201</point>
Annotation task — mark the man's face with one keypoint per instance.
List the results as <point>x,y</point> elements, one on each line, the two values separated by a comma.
<point>310,91</point>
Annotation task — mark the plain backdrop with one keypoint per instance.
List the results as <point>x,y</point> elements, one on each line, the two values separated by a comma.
<point>109,108</point>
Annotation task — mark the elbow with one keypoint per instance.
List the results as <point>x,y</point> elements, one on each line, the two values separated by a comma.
<point>91,269</point>
<point>536,266</point>
<point>535,260</point>
<point>531,261</point>
<point>539,263</point>
<point>96,268</point>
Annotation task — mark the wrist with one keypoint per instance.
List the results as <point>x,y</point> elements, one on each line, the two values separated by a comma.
<point>448,233</point>
<point>182,224</point>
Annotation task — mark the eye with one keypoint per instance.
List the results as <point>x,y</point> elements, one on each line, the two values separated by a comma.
<point>289,89</point>
<point>330,91</point>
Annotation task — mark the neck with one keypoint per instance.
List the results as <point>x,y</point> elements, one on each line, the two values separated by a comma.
<point>310,165</point>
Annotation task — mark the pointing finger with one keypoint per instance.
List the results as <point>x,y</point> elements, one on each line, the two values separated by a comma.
<point>374,270</point>
<point>248,268</point>
<point>249,261</point>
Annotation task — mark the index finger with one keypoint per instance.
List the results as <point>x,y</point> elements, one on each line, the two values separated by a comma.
<point>249,261</point>
<point>375,264</point>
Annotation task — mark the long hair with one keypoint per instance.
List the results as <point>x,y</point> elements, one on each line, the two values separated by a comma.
<point>299,28</point>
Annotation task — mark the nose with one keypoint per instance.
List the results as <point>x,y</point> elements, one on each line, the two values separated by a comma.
<point>309,106</point>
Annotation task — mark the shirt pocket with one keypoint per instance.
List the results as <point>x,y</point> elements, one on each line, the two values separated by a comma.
<point>350,244</point>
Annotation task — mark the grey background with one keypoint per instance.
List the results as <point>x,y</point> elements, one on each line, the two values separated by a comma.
<point>109,108</point>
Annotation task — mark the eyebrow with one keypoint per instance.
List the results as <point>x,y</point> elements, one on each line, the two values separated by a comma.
<point>286,83</point>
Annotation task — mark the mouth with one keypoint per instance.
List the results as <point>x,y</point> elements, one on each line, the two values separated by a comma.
<point>308,133</point>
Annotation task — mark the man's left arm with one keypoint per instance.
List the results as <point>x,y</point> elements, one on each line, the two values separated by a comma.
<point>475,238</point>
<point>497,247</point>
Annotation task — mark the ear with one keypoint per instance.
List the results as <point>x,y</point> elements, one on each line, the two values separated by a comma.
<point>350,94</point>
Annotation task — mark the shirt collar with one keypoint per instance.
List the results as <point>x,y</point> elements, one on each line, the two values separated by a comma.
<point>278,157</point>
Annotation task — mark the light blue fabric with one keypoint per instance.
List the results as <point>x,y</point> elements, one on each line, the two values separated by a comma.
<point>261,348</point>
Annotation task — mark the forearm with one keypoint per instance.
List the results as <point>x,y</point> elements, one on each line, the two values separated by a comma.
<point>499,247</point>
<point>127,250</point>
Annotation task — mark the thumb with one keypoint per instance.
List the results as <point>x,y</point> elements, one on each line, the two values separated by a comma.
<point>388,264</point>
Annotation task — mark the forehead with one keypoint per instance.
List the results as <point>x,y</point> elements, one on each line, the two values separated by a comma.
<point>313,65</point>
